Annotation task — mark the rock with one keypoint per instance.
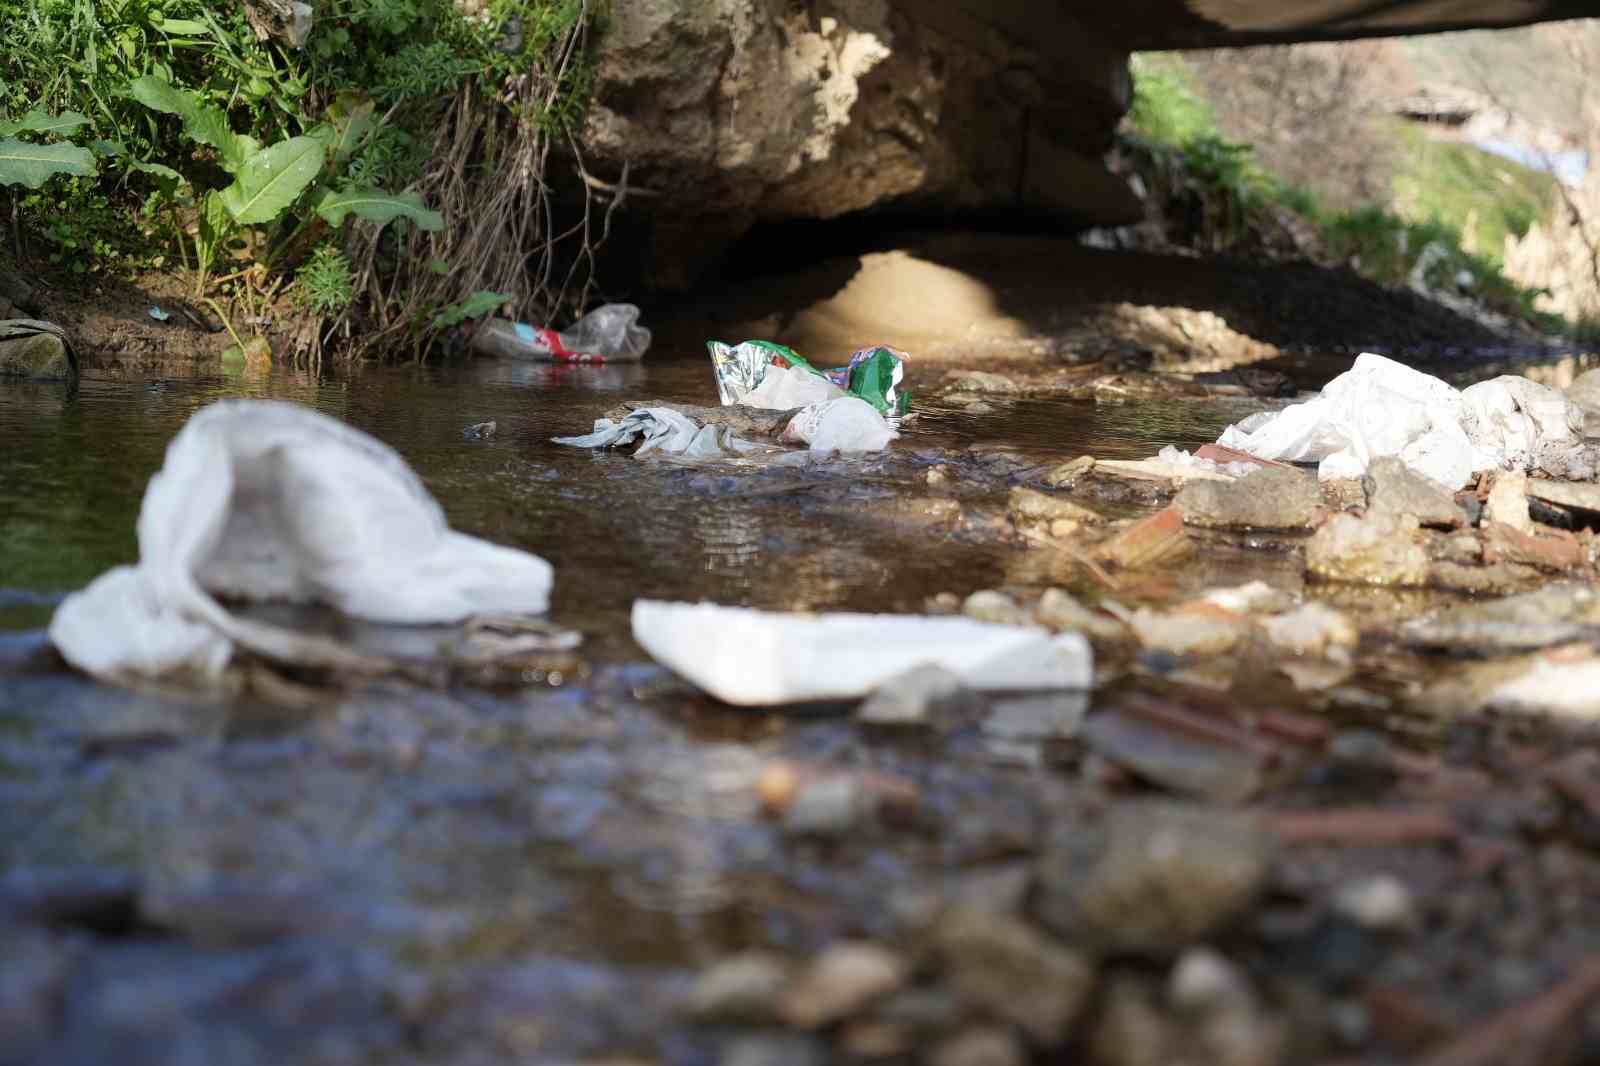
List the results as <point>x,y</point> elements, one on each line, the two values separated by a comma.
<point>1152,878</point>
<point>1360,760</point>
<point>744,988</point>
<point>773,1049</point>
<point>1172,759</point>
<point>1223,1012</point>
<point>923,696</point>
<point>1375,550</point>
<point>990,605</point>
<point>1395,489</point>
<point>981,381</point>
<point>1131,1029</point>
<point>844,980</point>
<point>1382,903</point>
<point>1508,502</point>
<point>1187,633</point>
<point>1009,970</point>
<point>33,349</point>
<point>1055,716</point>
<point>1270,498</point>
<point>732,111</point>
<point>1312,630</point>
<point>479,431</point>
<point>1030,507</point>
<point>1067,473</point>
<point>985,1046</point>
<point>1251,598</point>
<point>836,805</point>
<point>1059,610</point>
<point>1554,551</point>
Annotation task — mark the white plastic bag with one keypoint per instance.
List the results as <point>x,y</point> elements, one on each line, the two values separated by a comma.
<point>785,388</point>
<point>260,500</point>
<point>666,431</point>
<point>760,658</point>
<point>848,424</point>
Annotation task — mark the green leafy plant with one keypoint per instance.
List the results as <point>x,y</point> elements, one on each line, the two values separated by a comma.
<point>30,163</point>
<point>324,284</point>
<point>477,305</point>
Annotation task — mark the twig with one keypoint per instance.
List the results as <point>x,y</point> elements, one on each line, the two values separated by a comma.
<point>1078,555</point>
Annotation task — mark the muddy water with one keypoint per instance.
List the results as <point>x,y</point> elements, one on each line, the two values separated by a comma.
<point>73,467</point>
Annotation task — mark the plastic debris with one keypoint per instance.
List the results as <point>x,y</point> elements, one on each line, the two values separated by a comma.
<point>661,429</point>
<point>756,658</point>
<point>1381,408</point>
<point>874,374</point>
<point>158,314</point>
<point>269,501</point>
<point>608,334</point>
<point>847,424</point>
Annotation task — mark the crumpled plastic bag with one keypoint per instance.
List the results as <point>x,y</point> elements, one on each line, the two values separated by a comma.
<point>875,375</point>
<point>1380,408</point>
<point>756,658</point>
<point>1526,426</point>
<point>848,424</point>
<point>661,429</point>
<point>786,388</point>
<point>262,500</point>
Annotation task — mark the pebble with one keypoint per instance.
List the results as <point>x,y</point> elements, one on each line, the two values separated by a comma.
<point>1382,903</point>
<point>1184,633</point>
<point>1375,550</point>
<point>1152,878</point>
<point>1066,474</point>
<point>990,605</point>
<point>928,696</point>
<point>835,805</point>
<point>982,381</point>
<point>773,1049</point>
<point>1252,597</point>
<point>1393,488</point>
<point>1012,971</point>
<point>1508,502</point>
<point>1032,507</point>
<point>743,988</point>
<point>986,1046</point>
<point>1059,610</point>
<point>845,979</point>
<point>1270,498</point>
<point>1054,716</point>
<point>1312,629</point>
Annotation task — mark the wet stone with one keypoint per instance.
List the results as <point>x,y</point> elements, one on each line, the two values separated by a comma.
<point>1059,610</point>
<point>1034,508</point>
<point>1393,488</point>
<point>1013,971</point>
<point>842,981</point>
<point>1053,716</point>
<point>1172,760</point>
<point>1130,1027</point>
<point>1381,903</point>
<point>836,805</point>
<point>1269,498</point>
<point>1312,629</point>
<point>1065,475</point>
<point>38,355</point>
<point>744,988</point>
<point>773,1049</point>
<point>1508,503</point>
<point>1376,550</point>
<point>986,1046</point>
<point>1186,633</point>
<point>981,381</point>
<point>1151,878</point>
<point>926,696</point>
<point>990,605</point>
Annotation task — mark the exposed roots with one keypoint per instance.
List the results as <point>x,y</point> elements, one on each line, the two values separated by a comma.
<point>490,175</point>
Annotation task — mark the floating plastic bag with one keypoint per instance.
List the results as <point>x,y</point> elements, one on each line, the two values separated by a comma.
<point>667,431</point>
<point>608,334</point>
<point>760,658</point>
<point>261,500</point>
<point>786,388</point>
<point>848,424</point>
<point>875,374</point>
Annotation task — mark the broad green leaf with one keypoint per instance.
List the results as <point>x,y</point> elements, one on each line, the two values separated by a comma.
<point>36,121</point>
<point>167,179</point>
<point>7,127</point>
<point>31,164</point>
<point>351,115</point>
<point>477,305</point>
<point>158,95</point>
<point>237,150</point>
<point>215,225</point>
<point>182,27</point>
<point>378,206</point>
<point>270,180</point>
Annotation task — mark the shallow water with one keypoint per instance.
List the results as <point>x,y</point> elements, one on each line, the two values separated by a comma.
<point>73,466</point>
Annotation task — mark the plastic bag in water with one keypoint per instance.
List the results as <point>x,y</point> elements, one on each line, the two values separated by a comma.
<point>848,424</point>
<point>608,334</point>
<point>269,501</point>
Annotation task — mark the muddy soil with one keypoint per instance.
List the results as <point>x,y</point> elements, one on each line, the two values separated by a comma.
<point>1241,850</point>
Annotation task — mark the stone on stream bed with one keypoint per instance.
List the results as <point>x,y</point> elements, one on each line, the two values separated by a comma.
<point>35,349</point>
<point>1394,489</point>
<point>1151,878</point>
<point>1009,970</point>
<point>1379,549</point>
<point>843,980</point>
<point>1059,516</point>
<point>1269,498</point>
<point>928,696</point>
